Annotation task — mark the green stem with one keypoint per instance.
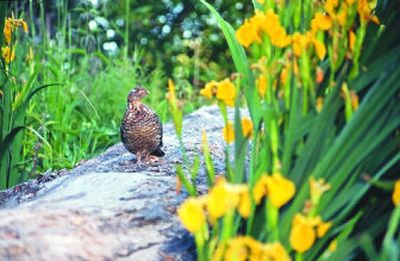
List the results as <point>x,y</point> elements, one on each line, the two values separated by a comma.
<point>200,246</point>
<point>272,221</point>
<point>299,257</point>
<point>127,7</point>
<point>227,225</point>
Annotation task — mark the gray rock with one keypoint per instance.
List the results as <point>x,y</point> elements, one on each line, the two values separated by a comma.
<point>108,208</point>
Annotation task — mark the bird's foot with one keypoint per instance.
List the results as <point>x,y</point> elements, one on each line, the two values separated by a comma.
<point>151,159</point>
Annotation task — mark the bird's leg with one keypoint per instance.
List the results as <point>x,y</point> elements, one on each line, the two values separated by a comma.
<point>139,159</point>
<point>150,159</point>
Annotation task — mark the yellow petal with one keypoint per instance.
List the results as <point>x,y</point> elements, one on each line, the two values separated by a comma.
<point>228,132</point>
<point>375,19</point>
<point>365,12</point>
<point>260,190</point>
<point>229,102</point>
<point>8,54</point>
<point>330,6</point>
<point>247,34</point>
<point>279,37</point>
<point>244,207</point>
<point>321,22</point>
<point>209,89</point>
<point>284,75</point>
<point>302,237</point>
<point>8,30</point>
<point>396,193</point>
<point>221,199</point>
<point>237,249</point>
<point>342,16</point>
<point>191,215</point>
<point>319,49</point>
<point>352,40</point>
<point>276,252</point>
<point>247,127</point>
<point>299,43</point>
<point>280,189</point>
<point>267,22</point>
<point>24,26</point>
<point>261,85</point>
<point>226,92</point>
<point>323,228</point>
<point>219,251</point>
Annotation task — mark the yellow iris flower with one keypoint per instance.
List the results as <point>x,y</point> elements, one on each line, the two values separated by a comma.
<point>302,237</point>
<point>321,22</point>
<point>192,215</point>
<point>224,197</point>
<point>228,131</point>
<point>247,34</point>
<point>305,230</point>
<point>317,188</point>
<point>8,54</point>
<point>226,92</point>
<point>247,248</point>
<point>278,189</point>
<point>365,12</point>
<point>9,26</point>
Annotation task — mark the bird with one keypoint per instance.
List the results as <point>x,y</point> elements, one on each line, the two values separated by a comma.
<point>141,128</point>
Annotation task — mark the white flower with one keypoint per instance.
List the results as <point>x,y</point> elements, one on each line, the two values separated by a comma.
<point>111,48</point>
<point>92,25</point>
<point>102,21</point>
<point>110,33</point>
<point>166,29</point>
<point>95,3</point>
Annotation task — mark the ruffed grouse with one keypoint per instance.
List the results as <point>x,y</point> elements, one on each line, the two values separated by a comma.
<point>141,128</point>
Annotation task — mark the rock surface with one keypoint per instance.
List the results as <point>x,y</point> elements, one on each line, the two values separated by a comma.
<point>108,208</point>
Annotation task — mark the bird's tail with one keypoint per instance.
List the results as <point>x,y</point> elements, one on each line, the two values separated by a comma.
<point>158,152</point>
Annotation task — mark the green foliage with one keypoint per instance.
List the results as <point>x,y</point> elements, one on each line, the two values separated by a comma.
<point>351,149</point>
<point>18,88</point>
<point>81,118</point>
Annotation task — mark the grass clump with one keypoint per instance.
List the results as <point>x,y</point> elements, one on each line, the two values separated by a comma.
<point>320,80</point>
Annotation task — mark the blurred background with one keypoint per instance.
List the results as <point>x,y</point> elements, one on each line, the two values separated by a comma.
<point>99,50</point>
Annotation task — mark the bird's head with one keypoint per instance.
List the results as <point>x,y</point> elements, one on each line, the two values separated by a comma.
<point>137,94</point>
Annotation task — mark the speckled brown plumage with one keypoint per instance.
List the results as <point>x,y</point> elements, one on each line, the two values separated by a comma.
<point>141,128</point>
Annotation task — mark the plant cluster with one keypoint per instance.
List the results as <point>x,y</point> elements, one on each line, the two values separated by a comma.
<point>320,80</point>
<point>57,127</point>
